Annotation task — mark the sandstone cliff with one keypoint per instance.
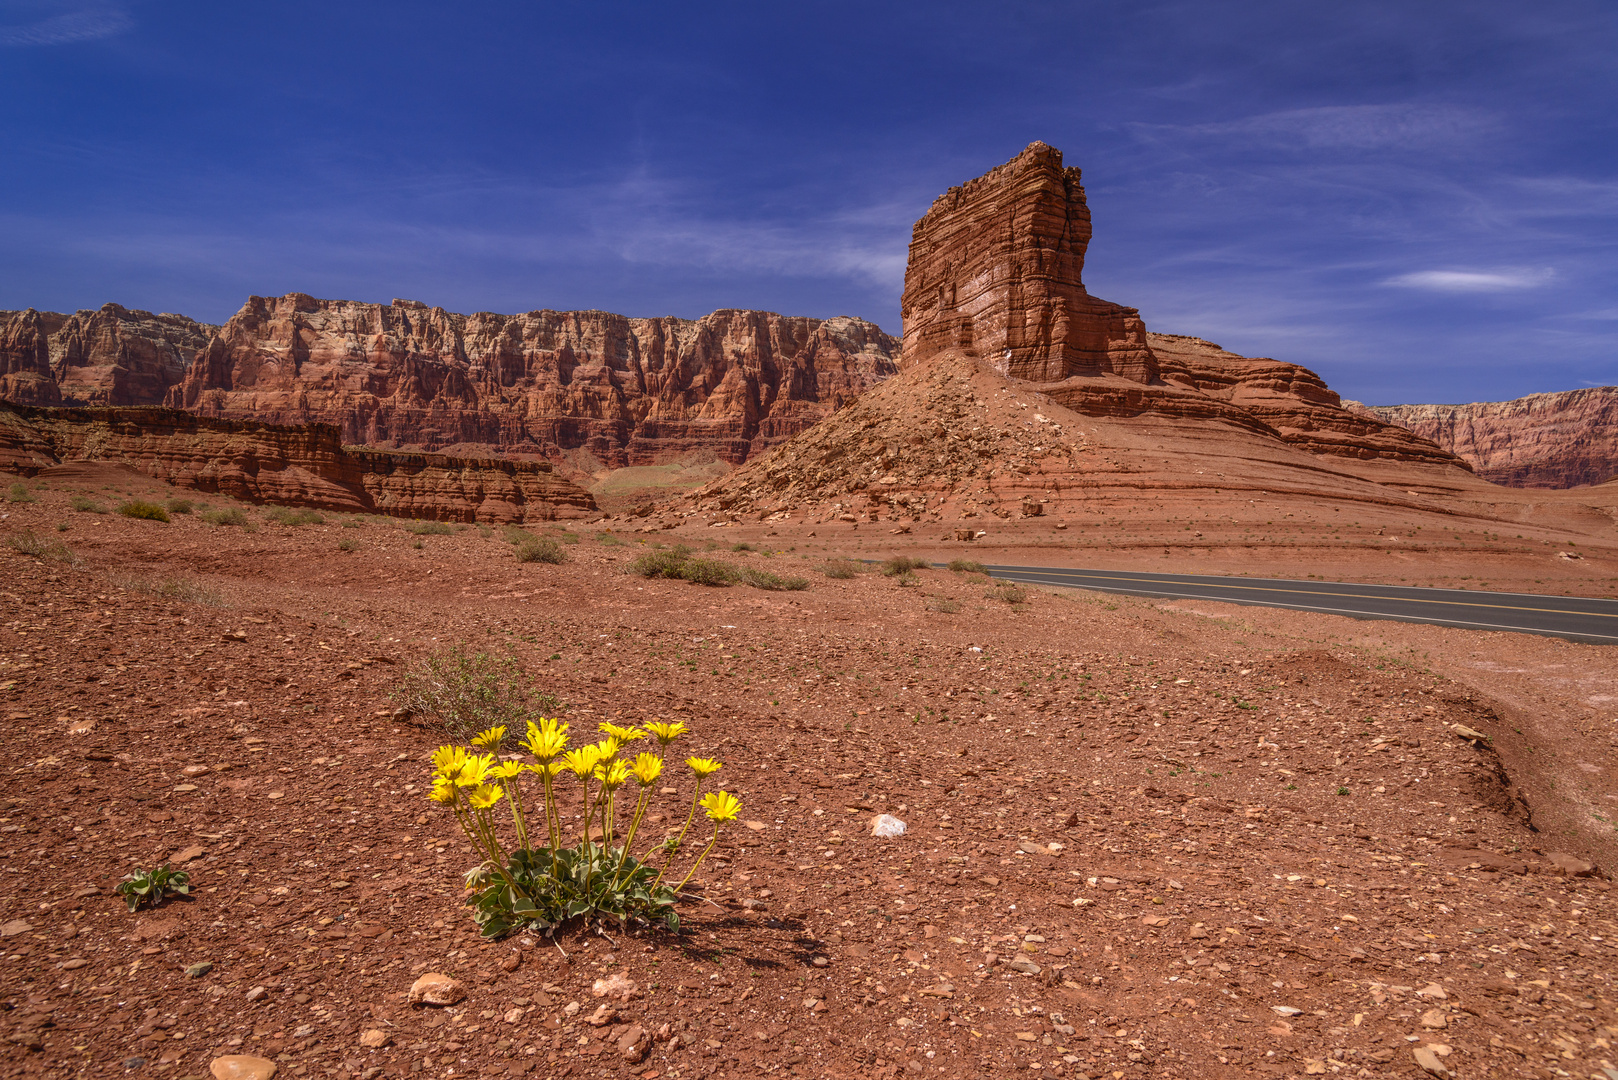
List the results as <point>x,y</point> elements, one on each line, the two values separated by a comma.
<point>112,356</point>
<point>629,391</point>
<point>1559,440</point>
<point>300,466</point>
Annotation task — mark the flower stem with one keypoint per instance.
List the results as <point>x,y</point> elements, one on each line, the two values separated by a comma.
<point>704,855</point>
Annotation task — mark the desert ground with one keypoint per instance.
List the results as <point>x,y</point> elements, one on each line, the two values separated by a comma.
<point>1145,838</point>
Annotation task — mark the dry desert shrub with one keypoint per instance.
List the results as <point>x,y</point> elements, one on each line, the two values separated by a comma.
<point>464,693</point>
<point>143,510</point>
<point>181,589</point>
<point>1009,591</point>
<point>542,549</point>
<point>966,566</point>
<point>903,564</point>
<point>841,569</point>
<point>40,547</point>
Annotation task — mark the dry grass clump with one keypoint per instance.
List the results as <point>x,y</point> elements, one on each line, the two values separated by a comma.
<point>185,590</point>
<point>966,566</point>
<point>41,547</point>
<point>432,528</point>
<point>542,549</point>
<point>230,515</point>
<point>282,515</point>
<point>841,569</point>
<point>86,505</point>
<point>679,563</point>
<point>903,564</point>
<point>143,510</point>
<point>180,506</point>
<point>1009,591</point>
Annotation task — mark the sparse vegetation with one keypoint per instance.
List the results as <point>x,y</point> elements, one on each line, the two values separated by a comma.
<point>282,515</point>
<point>153,886</point>
<point>347,544</point>
<point>143,510</point>
<point>1009,591</point>
<point>180,506</point>
<point>841,569</point>
<point>464,693</point>
<point>183,589</point>
<point>19,493</point>
<point>903,564</point>
<point>966,566</point>
<point>430,528</point>
<point>39,547</point>
<point>678,562</point>
<point>763,579</point>
<point>943,605</point>
<point>86,505</point>
<point>609,539</point>
<point>542,549</point>
<point>230,515</point>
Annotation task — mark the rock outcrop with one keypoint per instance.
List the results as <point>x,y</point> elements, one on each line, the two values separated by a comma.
<point>1560,440</point>
<point>111,356</point>
<point>995,274</point>
<point>305,465</point>
<point>629,391</point>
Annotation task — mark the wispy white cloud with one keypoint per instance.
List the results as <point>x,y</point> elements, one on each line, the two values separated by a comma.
<point>91,24</point>
<point>1343,127</point>
<point>1472,281</point>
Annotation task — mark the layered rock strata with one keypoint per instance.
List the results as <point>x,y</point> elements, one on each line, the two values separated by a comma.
<point>629,391</point>
<point>307,465</point>
<point>111,356</point>
<point>1561,440</point>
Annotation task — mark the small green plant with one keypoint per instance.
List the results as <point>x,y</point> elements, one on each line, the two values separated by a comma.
<point>966,566</point>
<point>19,493</point>
<point>145,511</point>
<point>944,606</point>
<point>230,515</point>
<point>1342,791</point>
<point>39,547</point>
<point>62,526</point>
<point>903,564</point>
<point>709,572</point>
<point>432,528</point>
<point>536,880</point>
<point>541,549</point>
<point>609,539</point>
<point>350,523</point>
<point>281,515</point>
<point>86,505</point>
<point>738,547</point>
<point>659,564</point>
<point>841,569</point>
<point>347,544</point>
<point>468,692</point>
<point>763,579</point>
<point>907,580</point>
<point>180,506</point>
<point>1009,591</point>
<point>153,886</point>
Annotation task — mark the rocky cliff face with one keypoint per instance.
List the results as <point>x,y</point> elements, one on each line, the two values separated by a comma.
<point>630,391</point>
<point>113,356</point>
<point>299,466</point>
<point>995,274</point>
<point>1560,440</point>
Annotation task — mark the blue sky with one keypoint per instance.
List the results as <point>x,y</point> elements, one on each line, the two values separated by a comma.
<point>1419,200</point>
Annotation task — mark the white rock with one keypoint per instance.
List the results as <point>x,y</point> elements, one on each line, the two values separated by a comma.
<point>887,825</point>
<point>618,987</point>
<point>435,988</point>
<point>1286,1010</point>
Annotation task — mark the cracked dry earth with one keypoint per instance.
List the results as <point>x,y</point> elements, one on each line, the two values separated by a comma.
<point>1143,841</point>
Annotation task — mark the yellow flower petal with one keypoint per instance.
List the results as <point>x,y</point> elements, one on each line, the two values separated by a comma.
<point>721,806</point>
<point>704,766</point>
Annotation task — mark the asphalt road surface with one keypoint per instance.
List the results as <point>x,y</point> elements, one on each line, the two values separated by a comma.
<point>1576,618</point>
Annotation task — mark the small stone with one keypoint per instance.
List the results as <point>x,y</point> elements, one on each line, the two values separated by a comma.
<point>185,855</point>
<point>820,961</point>
<point>512,961</point>
<point>513,1015</point>
<point>1197,931</point>
<point>1429,1061</point>
<point>75,964</point>
<point>241,1067</point>
<point>234,635</point>
<point>257,993</point>
<point>1286,1010</point>
<point>1434,1019</point>
<point>1433,990</point>
<point>887,825</point>
<point>633,1044</point>
<point>616,987</point>
<point>276,795</point>
<point>604,1015</point>
<point>756,826</point>
<point>435,988</point>
<point>197,971</point>
<point>15,927</point>
<point>1314,1066</point>
<point>1022,963</point>
<point>194,770</point>
<point>375,1038</point>
<point>1565,865</point>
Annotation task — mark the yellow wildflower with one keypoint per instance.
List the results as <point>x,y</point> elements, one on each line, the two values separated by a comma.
<point>548,768</point>
<point>475,770</point>
<point>613,775</point>
<point>608,748</point>
<point>547,739</point>
<point>507,770</point>
<point>721,806</point>
<point>447,760</point>
<point>646,769</point>
<point>485,796</point>
<point>666,733</point>
<point>443,792</point>
<point>623,734</point>
<point>704,766</point>
<point>582,762</point>
<point>491,738</point>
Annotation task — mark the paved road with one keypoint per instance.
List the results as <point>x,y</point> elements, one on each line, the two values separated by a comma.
<point>1572,617</point>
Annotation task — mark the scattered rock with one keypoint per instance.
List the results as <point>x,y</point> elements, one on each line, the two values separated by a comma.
<point>1469,734</point>
<point>604,1015</point>
<point>512,961</point>
<point>633,1044</point>
<point>375,1038</point>
<point>197,971</point>
<point>435,988</point>
<point>755,826</point>
<point>195,770</point>
<point>887,825</point>
<point>234,635</point>
<point>15,927</point>
<point>185,855</point>
<point>75,964</point>
<point>1565,865</point>
<point>617,987</point>
<point>241,1067</point>
<point>1434,1019</point>
<point>1433,990</point>
<point>257,993</point>
<point>1429,1061</point>
<point>1022,963</point>
<point>1286,1010</point>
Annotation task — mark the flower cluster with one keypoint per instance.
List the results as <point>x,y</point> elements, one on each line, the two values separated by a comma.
<point>541,880</point>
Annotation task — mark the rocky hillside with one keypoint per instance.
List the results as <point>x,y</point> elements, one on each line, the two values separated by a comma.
<point>1560,440</point>
<point>298,466</point>
<point>405,375</point>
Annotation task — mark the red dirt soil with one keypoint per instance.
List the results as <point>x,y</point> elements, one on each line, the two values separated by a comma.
<point>1146,838</point>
